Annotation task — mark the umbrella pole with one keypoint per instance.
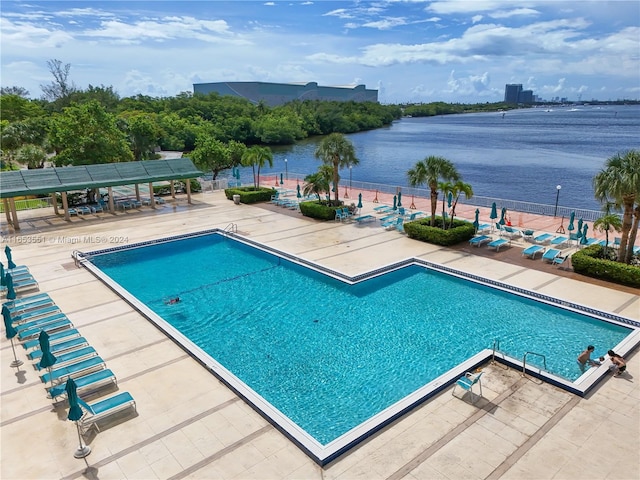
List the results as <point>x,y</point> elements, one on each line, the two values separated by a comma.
<point>16,363</point>
<point>83,450</point>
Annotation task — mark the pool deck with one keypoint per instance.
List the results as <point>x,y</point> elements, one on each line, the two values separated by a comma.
<point>190,425</point>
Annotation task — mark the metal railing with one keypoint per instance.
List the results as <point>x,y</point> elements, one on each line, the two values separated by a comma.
<point>524,361</point>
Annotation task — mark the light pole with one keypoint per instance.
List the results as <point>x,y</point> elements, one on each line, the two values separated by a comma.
<point>286,170</point>
<point>555,212</point>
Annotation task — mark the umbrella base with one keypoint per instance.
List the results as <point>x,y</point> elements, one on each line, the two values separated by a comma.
<point>82,452</point>
<point>16,363</point>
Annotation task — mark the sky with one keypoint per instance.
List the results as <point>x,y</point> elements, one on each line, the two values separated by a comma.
<point>411,50</point>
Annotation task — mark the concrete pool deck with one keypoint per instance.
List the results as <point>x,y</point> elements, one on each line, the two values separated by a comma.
<point>189,425</point>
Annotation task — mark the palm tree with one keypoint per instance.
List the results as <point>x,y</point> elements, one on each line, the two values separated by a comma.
<point>337,151</point>
<point>257,156</point>
<point>445,188</point>
<point>620,181</point>
<point>609,221</point>
<point>430,171</point>
<point>318,182</point>
<point>459,188</point>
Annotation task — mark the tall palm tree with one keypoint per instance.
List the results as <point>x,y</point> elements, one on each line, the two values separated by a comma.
<point>430,171</point>
<point>257,156</point>
<point>318,182</point>
<point>620,182</point>
<point>459,188</point>
<point>606,223</point>
<point>336,150</point>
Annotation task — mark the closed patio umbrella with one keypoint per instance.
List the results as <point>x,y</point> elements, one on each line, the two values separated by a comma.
<point>502,214</point>
<point>299,195</point>
<point>449,199</point>
<point>11,293</point>
<point>395,200</point>
<point>494,211</point>
<point>571,228</point>
<point>10,332</point>
<point>75,414</point>
<point>399,199</point>
<point>359,200</point>
<point>476,222</point>
<point>579,232</point>
<point>48,359</point>
<point>281,181</point>
<point>583,238</point>
<point>7,252</point>
<point>2,279</point>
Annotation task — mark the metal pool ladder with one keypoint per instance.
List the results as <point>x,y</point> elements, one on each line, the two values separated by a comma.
<point>232,227</point>
<point>524,361</point>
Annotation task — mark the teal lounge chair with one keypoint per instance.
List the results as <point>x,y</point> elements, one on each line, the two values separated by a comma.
<point>61,347</point>
<point>483,227</point>
<point>500,242</point>
<point>510,231</point>
<point>544,238</point>
<point>72,356</point>
<point>32,301</point>
<point>467,383</point>
<point>558,241</point>
<point>102,409</point>
<point>86,384</point>
<point>365,218</point>
<point>382,209</point>
<point>40,322</point>
<point>477,241</point>
<point>532,251</point>
<point>84,210</point>
<point>54,338</point>
<point>559,260</point>
<point>35,313</point>
<point>29,307</point>
<point>393,224</point>
<point>49,328</point>
<point>550,254</point>
<point>73,370</point>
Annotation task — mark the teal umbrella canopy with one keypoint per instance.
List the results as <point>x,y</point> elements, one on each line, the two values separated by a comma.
<point>494,211</point>
<point>399,199</point>
<point>281,181</point>
<point>476,222</point>
<point>3,281</point>
<point>299,195</point>
<point>48,359</point>
<point>502,215</point>
<point>11,293</point>
<point>395,202</point>
<point>579,232</point>
<point>75,412</point>
<point>8,323</point>
<point>7,252</point>
<point>571,228</point>
<point>359,200</point>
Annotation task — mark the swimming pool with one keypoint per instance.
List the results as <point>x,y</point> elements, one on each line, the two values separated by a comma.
<point>329,354</point>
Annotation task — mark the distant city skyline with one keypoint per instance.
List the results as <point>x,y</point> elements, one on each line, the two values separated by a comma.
<point>410,51</point>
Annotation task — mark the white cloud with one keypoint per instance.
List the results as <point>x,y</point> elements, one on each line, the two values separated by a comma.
<point>386,23</point>
<point>514,13</point>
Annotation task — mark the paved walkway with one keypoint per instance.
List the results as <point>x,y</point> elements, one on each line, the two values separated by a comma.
<point>189,425</point>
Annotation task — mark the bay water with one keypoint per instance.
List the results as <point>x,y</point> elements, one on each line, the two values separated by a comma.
<point>517,155</point>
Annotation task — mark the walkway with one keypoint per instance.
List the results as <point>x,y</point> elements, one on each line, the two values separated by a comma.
<point>191,426</point>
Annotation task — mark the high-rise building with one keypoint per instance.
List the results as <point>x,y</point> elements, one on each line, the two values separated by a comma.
<point>512,92</point>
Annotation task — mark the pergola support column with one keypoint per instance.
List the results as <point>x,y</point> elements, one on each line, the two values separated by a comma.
<point>137,192</point>
<point>152,197</point>
<point>54,202</point>
<point>14,213</point>
<point>112,207</point>
<point>188,183</point>
<point>7,212</point>
<point>65,206</point>
<point>173,189</point>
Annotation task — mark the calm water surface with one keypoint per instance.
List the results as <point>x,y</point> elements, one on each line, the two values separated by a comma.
<point>521,156</point>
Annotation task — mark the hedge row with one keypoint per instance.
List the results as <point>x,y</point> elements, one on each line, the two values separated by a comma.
<point>421,230</point>
<point>318,210</point>
<point>250,194</point>
<point>587,262</point>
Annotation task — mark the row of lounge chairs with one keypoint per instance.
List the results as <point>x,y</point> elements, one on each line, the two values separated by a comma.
<point>22,281</point>
<point>75,358</point>
<point>122,203</point>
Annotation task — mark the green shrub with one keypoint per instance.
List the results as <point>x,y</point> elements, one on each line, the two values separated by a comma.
<point>588,262</point>
<point>319,210</point>
<point>421,230</point>
<point>250,194</point>
<point>195,185</point>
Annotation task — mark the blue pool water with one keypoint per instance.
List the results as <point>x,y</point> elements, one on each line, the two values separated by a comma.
<point>330,355</point>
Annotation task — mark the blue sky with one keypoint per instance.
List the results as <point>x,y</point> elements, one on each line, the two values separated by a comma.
<point>412,51</point>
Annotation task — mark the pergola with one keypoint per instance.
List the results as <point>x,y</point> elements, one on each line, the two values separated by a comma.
<point>61,180</point>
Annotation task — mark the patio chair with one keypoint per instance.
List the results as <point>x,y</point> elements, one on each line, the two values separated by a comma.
<point>73,370</point>
<point>559,260</point>
<point>41,322</point>
<point>35,313</point>
<point>102,409</point>
<point>61,347</point>
<point>62,324</point>
<point>90,383</point>
<point>54,338</point>
<point>544,238</point>
<point>550,254</point>
<point>83,209</point>
<point>467,383</point>
<point>479,240</point>
<point>532,251</point>
<point>72,356</point>
<point>500,242</point>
